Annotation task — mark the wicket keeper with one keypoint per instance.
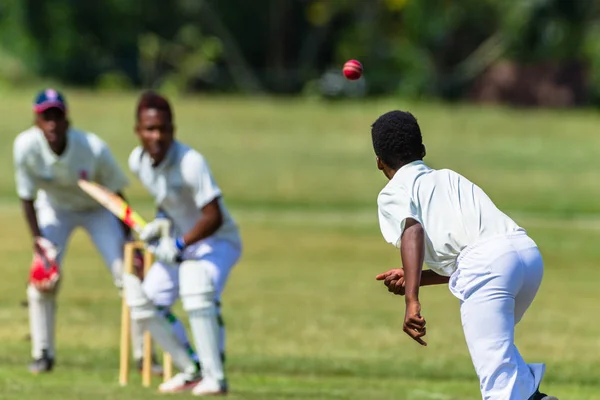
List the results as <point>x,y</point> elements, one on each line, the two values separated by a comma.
<point>49,158</point>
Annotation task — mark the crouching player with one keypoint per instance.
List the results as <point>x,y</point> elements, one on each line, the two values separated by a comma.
<point>195,262</point>
<point>49,159</point>
<point>490,263</point>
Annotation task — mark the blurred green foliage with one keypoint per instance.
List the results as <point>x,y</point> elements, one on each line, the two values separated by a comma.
<point>424,48</point>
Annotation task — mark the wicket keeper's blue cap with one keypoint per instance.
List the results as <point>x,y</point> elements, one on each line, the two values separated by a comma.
<point>49,98</point>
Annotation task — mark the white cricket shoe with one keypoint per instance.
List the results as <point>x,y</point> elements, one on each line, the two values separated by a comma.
<point>210,387</point>
<point>180,382</point>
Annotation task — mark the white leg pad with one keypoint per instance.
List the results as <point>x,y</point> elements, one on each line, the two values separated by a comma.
<point>137,338</point>
<point>161,331</point>
<point>198,293</point>
<point>144,312</point>
<point>42,308</point>
<point>140,305</point>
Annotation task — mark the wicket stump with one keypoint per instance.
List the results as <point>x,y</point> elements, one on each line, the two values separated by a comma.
<point>130,249</point>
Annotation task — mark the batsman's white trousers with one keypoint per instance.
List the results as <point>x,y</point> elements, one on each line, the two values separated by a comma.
<point>496,281</point>
<point>104,229</point>
<point>161,284</point>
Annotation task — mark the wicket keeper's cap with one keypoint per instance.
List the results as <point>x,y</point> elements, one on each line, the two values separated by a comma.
<point>49,98</point>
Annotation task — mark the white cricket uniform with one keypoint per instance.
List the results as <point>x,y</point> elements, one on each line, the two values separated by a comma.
<point>181,185</point>
<point>495,269</point>
<point>60,204</point>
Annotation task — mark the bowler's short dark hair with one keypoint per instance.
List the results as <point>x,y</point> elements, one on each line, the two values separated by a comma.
<point>397,139</point>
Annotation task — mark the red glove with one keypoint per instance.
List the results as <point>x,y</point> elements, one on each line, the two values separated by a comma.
<point>44,273</point>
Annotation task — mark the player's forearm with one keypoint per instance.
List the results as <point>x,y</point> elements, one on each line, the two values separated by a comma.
<point>208,224</point>
<point>429,278</point>
<point>412,249</point>
<point>203,229</point>
<point>31,217</point>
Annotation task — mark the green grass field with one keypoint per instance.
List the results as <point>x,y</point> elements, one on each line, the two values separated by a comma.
<point>306,319</point>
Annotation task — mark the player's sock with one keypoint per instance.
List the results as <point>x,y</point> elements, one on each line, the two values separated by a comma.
<point>42,307</point>
<point>221,323</point>
<point>179,330</point>
<point>206,331</point>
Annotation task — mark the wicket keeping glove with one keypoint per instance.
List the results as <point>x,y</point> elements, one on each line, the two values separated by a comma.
<point>44,274</point>
<point>169,250</point>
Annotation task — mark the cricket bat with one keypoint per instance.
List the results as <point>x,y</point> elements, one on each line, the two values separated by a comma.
<point>113,203</point>
<point>119,207</point>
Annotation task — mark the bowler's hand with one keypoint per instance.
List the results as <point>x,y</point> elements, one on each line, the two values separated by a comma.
<point>394,280</point>
<point>414,324</point>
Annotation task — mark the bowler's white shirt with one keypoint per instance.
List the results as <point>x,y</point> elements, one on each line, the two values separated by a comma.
<point>40,173</point>
<point>182,184</point>
<point>453,211</point>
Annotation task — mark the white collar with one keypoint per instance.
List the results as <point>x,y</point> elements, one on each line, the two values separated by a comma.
<point>47,153</point>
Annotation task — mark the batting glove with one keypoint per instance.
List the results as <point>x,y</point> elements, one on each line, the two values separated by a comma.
<point>169,250</point>
<point>154,229</point>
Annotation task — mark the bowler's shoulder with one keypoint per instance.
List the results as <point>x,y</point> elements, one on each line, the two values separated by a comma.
<point>456,178</point>
<point>395,191</point>
<point>447,171</point>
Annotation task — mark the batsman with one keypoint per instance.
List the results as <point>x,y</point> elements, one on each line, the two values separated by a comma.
<point>194,262</point>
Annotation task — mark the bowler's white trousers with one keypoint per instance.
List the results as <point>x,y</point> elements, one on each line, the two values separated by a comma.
<point>496,281</point>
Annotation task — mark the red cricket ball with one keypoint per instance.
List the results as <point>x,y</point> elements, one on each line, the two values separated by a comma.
<point>353,70</point>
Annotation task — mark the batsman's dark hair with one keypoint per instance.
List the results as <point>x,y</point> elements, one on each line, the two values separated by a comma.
<point>152,100</point>
<point>397,139</point>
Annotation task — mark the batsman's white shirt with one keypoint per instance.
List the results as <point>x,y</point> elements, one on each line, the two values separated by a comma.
<point>52,178</point>
<point>181,185</point>
<point>453,211</point>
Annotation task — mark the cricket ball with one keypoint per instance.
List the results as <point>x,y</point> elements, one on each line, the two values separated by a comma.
<point>353,70</point>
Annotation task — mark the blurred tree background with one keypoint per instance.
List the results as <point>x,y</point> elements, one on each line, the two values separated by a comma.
<point>525,52</point>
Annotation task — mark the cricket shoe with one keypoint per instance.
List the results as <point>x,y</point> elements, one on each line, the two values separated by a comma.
<point>156,369</point>
<point>542,396</point>
<point>180,382</point>
<point>210,387</point>
<point>42,364</point>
